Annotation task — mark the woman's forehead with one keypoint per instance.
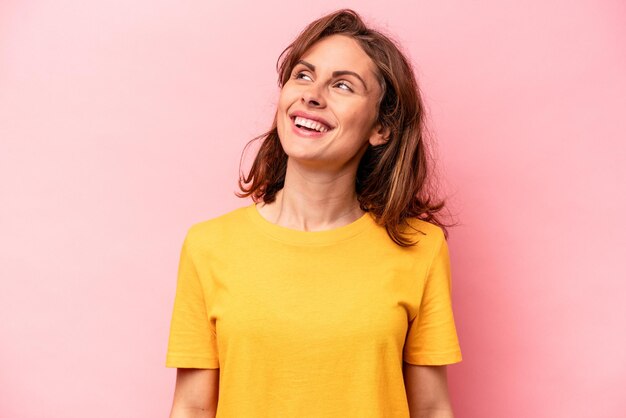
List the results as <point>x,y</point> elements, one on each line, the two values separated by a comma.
<point>339,53</point>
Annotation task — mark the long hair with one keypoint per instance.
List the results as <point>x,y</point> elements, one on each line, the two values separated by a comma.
<point>393,180</point>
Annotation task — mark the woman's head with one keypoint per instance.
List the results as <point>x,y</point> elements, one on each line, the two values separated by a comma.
<point>327,113</point>
<point>391,158</point>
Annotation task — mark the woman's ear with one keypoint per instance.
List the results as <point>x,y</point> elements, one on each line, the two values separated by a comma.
<point>380,135</point>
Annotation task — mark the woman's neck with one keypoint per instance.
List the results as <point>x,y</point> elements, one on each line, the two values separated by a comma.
<point>312,201</point>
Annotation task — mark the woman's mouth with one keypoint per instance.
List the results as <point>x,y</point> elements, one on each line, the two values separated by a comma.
<point>308,127</point>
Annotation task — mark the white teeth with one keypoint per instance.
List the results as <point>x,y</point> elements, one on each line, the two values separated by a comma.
<point>311,124</point>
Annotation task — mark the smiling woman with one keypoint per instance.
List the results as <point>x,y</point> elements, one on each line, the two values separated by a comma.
<point>330,294</point>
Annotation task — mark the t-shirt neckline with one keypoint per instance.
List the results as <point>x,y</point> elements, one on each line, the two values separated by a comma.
<point>295,236</point>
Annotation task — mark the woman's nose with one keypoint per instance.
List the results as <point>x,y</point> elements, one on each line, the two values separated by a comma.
<point>312,96</point>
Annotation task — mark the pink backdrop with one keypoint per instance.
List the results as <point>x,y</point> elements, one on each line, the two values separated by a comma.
<point>122,123</point>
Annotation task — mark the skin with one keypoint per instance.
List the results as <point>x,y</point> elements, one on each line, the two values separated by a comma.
<point>319,192</point>
<point>319,182</point>
<point>427,391</point>
<point>196,392</point>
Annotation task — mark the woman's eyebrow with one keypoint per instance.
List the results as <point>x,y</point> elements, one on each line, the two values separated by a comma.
<point>335,73</point>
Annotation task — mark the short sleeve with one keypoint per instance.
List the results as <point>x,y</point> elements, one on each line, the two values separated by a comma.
<point>432,338</point>
<point>192,339</point>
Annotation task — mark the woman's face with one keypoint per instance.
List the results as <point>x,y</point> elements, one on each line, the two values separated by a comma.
<point>327,109</point>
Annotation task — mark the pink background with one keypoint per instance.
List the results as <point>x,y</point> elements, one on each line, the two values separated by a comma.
<point>122,123</point>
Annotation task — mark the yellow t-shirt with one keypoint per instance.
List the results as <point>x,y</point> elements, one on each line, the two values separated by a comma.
<point>310,324</point>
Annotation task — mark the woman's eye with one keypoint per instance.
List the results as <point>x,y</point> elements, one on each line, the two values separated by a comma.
<point>301,75</point>
<point>304,76</point>
<point>344,86</point>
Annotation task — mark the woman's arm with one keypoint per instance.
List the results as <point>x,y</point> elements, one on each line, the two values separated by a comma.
<point>196,393</point>
<point>427,391</point>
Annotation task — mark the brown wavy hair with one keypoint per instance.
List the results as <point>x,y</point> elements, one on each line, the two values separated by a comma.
<point>394,180</point>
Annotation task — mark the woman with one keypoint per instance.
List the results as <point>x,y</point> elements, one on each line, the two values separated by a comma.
<point>330,295</point>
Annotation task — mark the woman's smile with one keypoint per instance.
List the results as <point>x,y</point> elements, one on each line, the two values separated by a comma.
<point>309,125</point>
<point>308,128</point>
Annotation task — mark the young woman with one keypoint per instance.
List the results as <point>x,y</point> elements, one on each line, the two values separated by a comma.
<point>329,296</point>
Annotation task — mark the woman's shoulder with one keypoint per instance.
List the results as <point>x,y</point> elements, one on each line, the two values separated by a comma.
<point>427,234</point>
<point>216,228</point>
<point>425,228</point>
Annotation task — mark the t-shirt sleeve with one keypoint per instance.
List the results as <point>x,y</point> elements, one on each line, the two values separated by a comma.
<point>431,337</point>
<point>192,338</point>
